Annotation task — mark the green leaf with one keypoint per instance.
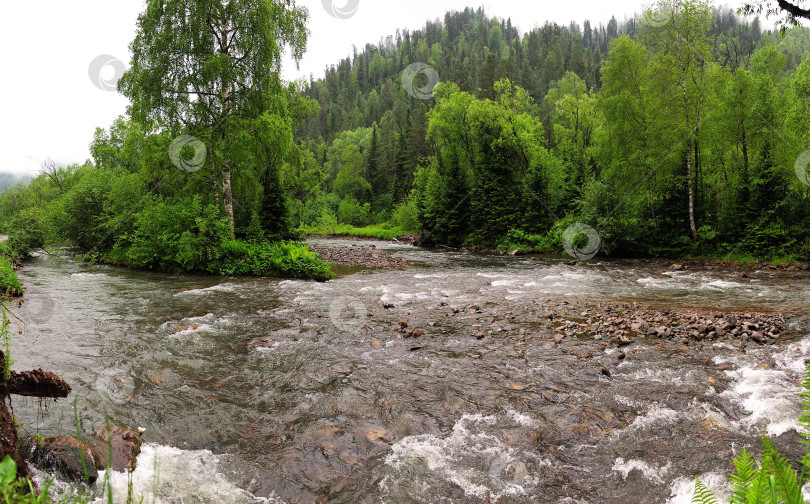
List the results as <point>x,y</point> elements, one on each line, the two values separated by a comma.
<point>8,471</point>
<point>702,494</point>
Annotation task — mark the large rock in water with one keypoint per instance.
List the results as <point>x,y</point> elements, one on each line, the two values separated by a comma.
<point>123,444</point>
<point>67,456</point>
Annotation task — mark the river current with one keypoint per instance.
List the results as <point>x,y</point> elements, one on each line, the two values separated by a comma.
<point>291,391</point>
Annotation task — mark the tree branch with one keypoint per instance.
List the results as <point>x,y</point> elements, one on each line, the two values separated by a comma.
<point>793,9</point>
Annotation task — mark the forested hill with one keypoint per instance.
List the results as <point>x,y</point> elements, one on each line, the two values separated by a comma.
<point>474,50</point>
<point>381,153</point>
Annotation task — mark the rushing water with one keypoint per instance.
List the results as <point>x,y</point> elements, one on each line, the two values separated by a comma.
<point>336,406</point>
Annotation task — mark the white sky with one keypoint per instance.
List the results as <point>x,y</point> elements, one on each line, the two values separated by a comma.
<point>50,106</point>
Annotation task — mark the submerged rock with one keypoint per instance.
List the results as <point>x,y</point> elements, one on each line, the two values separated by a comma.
<point>67,456</point>
<point>123,444</point>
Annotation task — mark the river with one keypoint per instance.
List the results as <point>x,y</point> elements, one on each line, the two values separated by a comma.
<point>268,390</point>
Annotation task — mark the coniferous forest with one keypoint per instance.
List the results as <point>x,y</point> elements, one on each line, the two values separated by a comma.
<point>682,132</point>
<point>668,138</point>
<point>412,374</point>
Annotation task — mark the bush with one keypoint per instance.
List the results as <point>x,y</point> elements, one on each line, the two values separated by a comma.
<point>9,285</point>
<point>85,217</point>
<point>179,235</point>
<point>27,234</point>
<point>328,222</point>
<point>270,259</point>
<point>406,216</point>
<point>314,208</point>
<point>352,212</point>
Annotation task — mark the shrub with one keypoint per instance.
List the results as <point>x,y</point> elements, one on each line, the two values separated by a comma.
<point>270,259</point>
<point>184,235</point>
<point>27,235</point>
<point>406,216</point>
<point>328,222</point>
<point>352,212</point>
<point>9,285</point>
<point>85,217</point>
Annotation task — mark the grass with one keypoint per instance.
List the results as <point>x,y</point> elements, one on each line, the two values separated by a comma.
<point>381,231</point>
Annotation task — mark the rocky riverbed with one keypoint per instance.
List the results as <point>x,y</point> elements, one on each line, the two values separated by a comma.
<point>471,378</point>
<point>367,255</point>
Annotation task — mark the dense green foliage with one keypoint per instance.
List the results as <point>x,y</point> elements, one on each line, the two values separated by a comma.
<point>676,136</point>
<point>773,479</point>
<point>119,217</point>
<point>154,196</point>
<point>672,138</point>
<point>9,285</point>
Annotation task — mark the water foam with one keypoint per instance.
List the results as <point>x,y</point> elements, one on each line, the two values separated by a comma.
<point>683,488</point>
<point>163,475</point>
<point>166,474</point>
<point>470,458</point>
<point>769,394</point>
<point>652,473</point>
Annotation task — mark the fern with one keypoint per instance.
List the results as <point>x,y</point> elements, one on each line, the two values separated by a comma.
<point>775,481</point>
<point>758,493</point>
<point>702,494</point>
<point>742,481</point>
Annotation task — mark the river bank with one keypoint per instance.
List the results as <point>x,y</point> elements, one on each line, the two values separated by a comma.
<point>358,256</point>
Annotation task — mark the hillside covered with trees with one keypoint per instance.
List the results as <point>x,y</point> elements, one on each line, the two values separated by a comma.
<point>675,133</point>
<point>681,132</point>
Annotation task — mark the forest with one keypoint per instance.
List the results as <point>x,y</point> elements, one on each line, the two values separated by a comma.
<point>681,133</point>
<point>681,137</point>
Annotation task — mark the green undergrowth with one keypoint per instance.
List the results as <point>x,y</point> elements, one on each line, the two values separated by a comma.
<point>9,284</point>
<point>230,257</point>
<point>381,231</point>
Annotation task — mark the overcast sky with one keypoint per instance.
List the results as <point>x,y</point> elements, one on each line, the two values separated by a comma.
<point>51,107</point>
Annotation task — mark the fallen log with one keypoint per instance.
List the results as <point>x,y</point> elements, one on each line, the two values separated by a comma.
<point>36,383</point>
